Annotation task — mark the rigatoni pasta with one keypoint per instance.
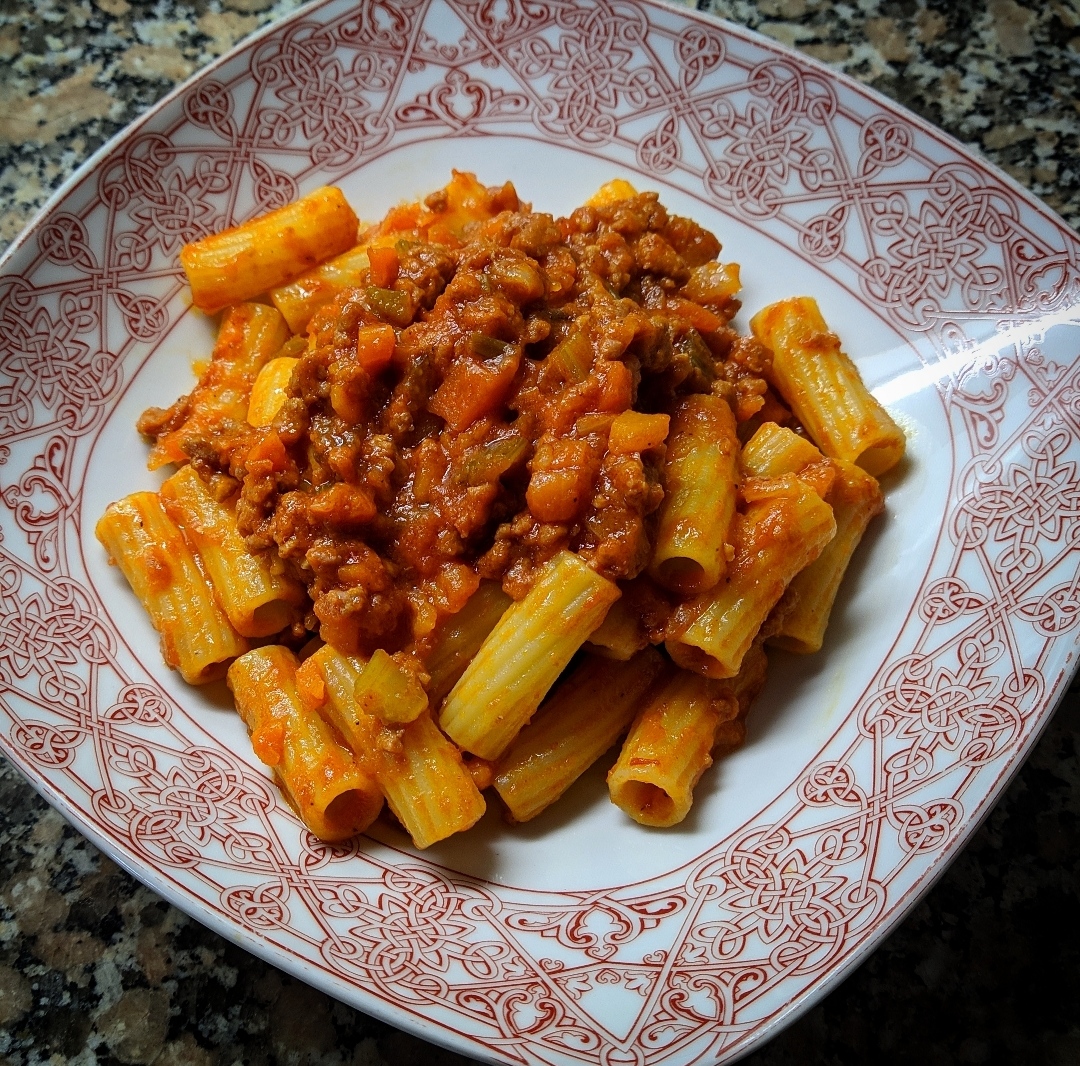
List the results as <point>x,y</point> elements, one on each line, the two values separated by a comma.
<point>235,265</point>
<point>257,600</point>
<point>590,711</point>
<point>522,657</point>
<point>270,388</point>
<point>419,771</point>
<point>323,779</point>
<point>196,635</point>
<point>669,748</point>
<point>699,479</point>
<point>855,498</point>
<point>777,536</point>
<point>457,641</point>
<point>823,387</point>
<point>250,334</point>
<point>482,470</point>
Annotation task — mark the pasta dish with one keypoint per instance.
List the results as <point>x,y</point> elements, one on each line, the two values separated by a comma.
<point>465,498</point>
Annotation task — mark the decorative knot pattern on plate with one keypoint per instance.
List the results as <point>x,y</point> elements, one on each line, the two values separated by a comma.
<point>690,965</point>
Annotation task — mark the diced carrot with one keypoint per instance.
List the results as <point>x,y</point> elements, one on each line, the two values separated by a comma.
<point>402,217</point>
<point>471,389</point>
<point>310,684</point>
<point>441,233</point>
<point>616,386</point>
<point>375,345</point>
<point>384,266</point>
<point>267,456</point>
<point>464,192</point>
<point>269,742</point>
<point>342,505</point>
<point>561,479</point>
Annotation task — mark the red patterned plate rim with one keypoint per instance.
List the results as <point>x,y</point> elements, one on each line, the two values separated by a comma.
<point>703,958</point>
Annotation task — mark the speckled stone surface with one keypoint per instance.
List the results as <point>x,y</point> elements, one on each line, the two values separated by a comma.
<point>96,969</point>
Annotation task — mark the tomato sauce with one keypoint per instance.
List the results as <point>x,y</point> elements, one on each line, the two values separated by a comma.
<point>450,417</point>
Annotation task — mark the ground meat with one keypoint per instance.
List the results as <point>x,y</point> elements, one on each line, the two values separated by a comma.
<point>478,445</point>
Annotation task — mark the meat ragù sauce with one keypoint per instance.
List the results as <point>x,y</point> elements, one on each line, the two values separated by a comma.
<point>487,395</point>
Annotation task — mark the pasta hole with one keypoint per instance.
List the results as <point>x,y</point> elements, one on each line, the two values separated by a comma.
<point>876,461</point>
<point>347,814</point>
<point>683,575</point>
<point>650,804</point>
<point>269,618</point>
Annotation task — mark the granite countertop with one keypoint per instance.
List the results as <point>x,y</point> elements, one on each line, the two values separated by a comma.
<point>95,968</point>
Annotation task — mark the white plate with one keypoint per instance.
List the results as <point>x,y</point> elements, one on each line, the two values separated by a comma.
<point>581,937</point>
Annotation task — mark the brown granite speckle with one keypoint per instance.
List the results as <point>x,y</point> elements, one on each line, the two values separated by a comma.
<point>135,1026</point>
<point>786,9</point>
<point>156,63</point>
<point>1006,135</point>
<point>827,52</point>
<point>789,33</point>
<point>113,7</point>
<point>39,118</point>
<point>37,906</point>
<point>1012,25</point>
<point>9,42</point>
<point>929,25</point>
<point>70,953</point>
<point>152,953</point>
<point>184,1052</point>
<point>15,995</point>
<point>886,35</point>
<point>248,7</point>
<point>225,28</point>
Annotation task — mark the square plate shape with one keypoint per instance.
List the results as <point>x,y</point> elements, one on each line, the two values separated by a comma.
<point>578,938</point>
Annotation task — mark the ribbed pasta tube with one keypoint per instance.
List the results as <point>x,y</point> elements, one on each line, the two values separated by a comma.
<point>464,200</point>
<point>302,297</point>
<point>775,450</point>
<point>322,779</point>
<point>855,498</point>
<point>773,541</point>
<point>419,771</point>
<point>245,261</point>
<point>524,654</point>
<point>589,711</point>
<point>743,688</point>
<point>428,786</point>
<point>823,387</point>
<point>196,636</point>
<point>249,335</point>
<point>699,479</point>
<point>668,749</point>
<point>257,601</point>
<point>621,634</point>
<point>458,638</point>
